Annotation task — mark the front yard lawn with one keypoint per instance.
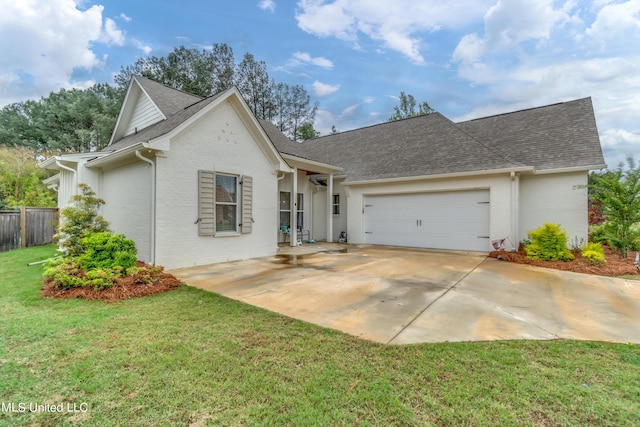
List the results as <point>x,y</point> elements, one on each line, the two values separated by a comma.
<point>188,357</point>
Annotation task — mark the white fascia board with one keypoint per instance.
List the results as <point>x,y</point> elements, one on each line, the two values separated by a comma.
<point>54,179</point>
<point>50,163</point>
<point>310,165</point>
<point>115,156</point>
<point>161,143</point>
<point>123,108</point>
<point>523,169</point>
<point>571,169</point>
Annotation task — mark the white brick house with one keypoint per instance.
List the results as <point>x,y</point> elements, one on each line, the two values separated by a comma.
<point>195,181</point>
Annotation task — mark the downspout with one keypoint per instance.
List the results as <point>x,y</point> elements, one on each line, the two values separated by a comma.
<point>153,205</point>
<point>515,195</point>
<point>75,181</point>
<point>278,179</point>
<point>73,171</point>
<point>294,209</point>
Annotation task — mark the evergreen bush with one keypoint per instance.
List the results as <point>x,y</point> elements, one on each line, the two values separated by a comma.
<point>548,243</point>
<point>593,253</point>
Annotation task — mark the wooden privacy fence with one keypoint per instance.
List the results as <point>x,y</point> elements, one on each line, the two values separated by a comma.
<point>27,227</point>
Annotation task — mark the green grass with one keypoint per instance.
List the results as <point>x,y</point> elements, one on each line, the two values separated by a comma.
<point>188,357</point>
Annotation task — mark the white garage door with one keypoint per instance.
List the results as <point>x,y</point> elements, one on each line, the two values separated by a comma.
<point>451,220</point>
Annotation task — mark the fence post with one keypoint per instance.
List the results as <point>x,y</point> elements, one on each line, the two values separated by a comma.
<point>23,226</point>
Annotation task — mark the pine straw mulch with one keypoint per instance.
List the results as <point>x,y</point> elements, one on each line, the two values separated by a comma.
<point>613,267</point>
<point>125,288</point>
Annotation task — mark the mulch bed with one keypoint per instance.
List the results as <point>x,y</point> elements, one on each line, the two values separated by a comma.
<point>614,266</point>
<point>125,288</point>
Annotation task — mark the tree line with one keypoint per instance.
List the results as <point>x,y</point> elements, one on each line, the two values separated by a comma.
<point>82,120</point>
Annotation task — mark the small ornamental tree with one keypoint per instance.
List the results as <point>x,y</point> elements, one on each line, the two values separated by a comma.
<point>80,219</point>
<point>618,195</point>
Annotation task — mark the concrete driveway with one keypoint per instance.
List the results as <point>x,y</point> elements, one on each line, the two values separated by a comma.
<point>402,296</point>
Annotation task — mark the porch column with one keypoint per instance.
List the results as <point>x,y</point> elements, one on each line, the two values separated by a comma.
<point>293,219</point>
<point>330,208</point>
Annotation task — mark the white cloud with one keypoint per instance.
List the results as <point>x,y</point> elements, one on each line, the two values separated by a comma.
<point>43,42</point>
<point>511,22</point>
<point>125,18</point>
<point>145,48</point>
<point>616,18</point>
<point>319,61</point>
<point>267,5</point>
<point>111,34</point>
<point>322,89</point>
<point>542,52</point>
<point>352,108</point>
<point>395,24</point>
<point>303,58</point>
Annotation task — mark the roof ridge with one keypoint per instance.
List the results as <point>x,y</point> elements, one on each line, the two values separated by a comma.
<point>420,116</point>
<point>539,107</point>
<point>137,76</point>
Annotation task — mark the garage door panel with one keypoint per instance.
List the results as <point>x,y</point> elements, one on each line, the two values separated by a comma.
<point>448,220</point>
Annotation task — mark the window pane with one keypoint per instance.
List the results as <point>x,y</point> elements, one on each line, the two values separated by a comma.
<point>285,219</point>
<point>226,218</point>
<point>285,200</point>
<point>300,220</point>
<point>226,189</point>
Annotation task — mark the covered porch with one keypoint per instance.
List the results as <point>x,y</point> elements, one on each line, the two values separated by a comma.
<point>306,202</point>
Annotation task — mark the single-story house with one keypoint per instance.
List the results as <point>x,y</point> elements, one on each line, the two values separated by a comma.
<point>200,180</point>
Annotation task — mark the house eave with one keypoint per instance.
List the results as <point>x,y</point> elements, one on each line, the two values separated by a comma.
<point>522,169</point>
<point>115,156</point>
<point>310,165</point>
<point>51,162</point>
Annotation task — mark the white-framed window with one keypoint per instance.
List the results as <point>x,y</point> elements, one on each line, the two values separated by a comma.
<point>300,210</point>
<point>226,203</point>
<point>336,204</point>
<point>285,209</point>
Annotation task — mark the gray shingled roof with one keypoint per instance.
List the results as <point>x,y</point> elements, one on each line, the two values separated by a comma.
<point>167,99</point>
<point>551,137</point>
<point>420,146</point>
<point>556,136</point>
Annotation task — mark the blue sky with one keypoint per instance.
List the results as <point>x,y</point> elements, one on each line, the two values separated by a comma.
<point>468,58</point>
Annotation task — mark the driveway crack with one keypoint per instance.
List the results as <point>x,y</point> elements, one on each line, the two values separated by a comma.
<point>436,300</point>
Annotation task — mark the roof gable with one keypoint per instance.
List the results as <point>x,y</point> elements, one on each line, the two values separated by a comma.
<point>147,103</point>
<point>158,135</point>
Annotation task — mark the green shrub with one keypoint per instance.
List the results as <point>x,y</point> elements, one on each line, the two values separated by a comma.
<point>64,272</point>
<point>107,251</point>
<point>593,253</point>
<point>597,233</point>
<point>102,278</point>
<point>80,219</point>
<point>548,243</point>
<point>67,273</point>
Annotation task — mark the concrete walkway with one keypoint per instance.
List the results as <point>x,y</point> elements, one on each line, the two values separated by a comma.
<point>402,296</point>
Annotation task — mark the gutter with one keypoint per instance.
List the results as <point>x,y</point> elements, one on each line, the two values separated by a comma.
<point>152,236</point>
<point>522,169</point>
<point>116,155</point>
<point>572,169</point>
<point>75,174</point>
